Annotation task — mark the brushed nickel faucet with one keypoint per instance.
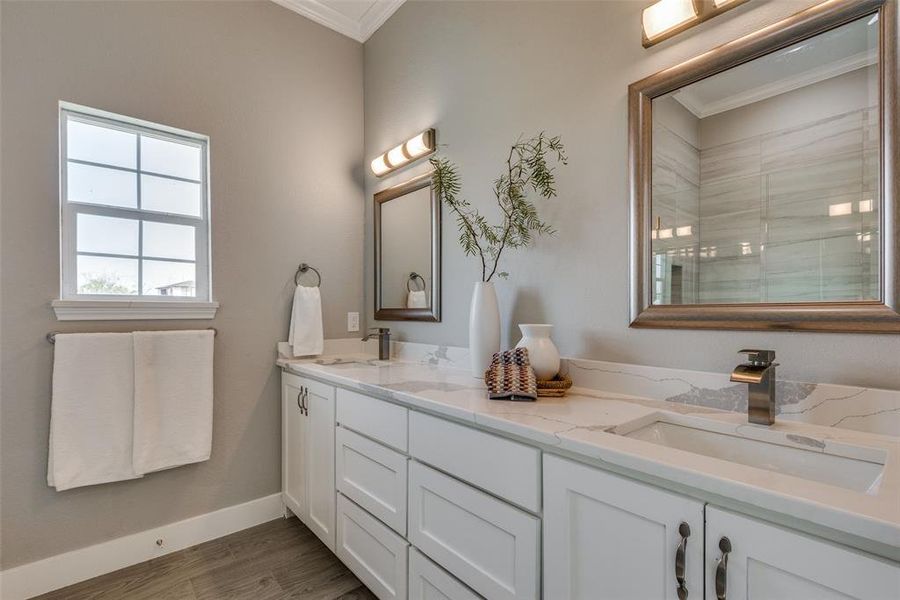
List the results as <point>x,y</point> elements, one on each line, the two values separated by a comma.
<point>384,341</point>
<point>759,375</point>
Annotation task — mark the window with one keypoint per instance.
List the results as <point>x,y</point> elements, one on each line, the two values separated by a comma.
<point>135,213</point>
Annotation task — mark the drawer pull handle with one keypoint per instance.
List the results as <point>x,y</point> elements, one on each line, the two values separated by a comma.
<point>722,568</point>
<point>305,401</point>
<point>684,530</point>
<point>299,405</point>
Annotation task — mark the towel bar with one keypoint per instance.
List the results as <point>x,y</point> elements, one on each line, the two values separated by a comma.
<point>51,337</point>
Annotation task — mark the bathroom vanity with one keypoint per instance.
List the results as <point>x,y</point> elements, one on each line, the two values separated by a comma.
<point>426,489</point>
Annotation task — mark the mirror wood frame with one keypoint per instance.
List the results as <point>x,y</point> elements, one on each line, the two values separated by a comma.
<point>432,313</point>
<point>877,316</point>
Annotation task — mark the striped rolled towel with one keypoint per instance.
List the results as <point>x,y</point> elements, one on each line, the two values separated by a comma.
<point>511,376</point>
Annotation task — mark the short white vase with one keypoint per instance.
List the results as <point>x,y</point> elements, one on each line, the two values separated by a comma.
<point>484,327</point>
<point>542,352</point>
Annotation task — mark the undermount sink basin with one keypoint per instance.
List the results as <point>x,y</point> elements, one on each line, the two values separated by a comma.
<point>850,467</point>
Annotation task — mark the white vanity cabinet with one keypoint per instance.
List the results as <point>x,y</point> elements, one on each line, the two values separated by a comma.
<point>608,537</point>
<point>307,453</point>
<point>421,507</point>
<point>767,562</point>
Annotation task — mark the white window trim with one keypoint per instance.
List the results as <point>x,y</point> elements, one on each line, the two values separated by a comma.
<point>72,306</point>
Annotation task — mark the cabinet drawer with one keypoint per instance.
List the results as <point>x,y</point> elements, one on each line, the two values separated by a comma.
<point>503,467</point>
<point>427,581</point>
<point>373,476</point>
<point>375,418</point>
<point>488,544</point>
<point>372,551</point>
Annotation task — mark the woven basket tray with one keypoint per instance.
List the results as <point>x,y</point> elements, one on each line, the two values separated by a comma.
<point>554,388</point>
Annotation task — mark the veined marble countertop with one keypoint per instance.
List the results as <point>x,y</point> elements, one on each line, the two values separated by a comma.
<point>583,423</point>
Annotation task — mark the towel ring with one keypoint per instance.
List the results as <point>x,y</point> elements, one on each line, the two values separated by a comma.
<point>412,277</point>
<point>303,268</point>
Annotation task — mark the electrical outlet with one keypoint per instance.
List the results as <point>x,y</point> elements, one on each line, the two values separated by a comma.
<point>352,321</point>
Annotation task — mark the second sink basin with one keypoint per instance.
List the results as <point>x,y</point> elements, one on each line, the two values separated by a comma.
<point>854,468</point>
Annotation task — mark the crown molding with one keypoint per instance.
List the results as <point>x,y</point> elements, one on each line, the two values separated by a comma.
<point>781,86</point>
<point>361,30</point>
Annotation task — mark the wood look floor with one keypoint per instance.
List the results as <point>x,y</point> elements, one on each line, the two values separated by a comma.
<point>276,560</point>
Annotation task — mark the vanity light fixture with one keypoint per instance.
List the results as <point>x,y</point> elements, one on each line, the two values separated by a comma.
<point>665,18</point>
<point>413,148</point>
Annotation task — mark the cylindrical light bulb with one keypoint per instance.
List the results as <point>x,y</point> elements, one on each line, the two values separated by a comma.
<point>665,15</point>
<point>418,146</point>
<point>396,157</point>
<point>379,166</point>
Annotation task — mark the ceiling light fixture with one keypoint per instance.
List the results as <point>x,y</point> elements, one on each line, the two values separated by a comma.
<point>410,150</point>
<point>665,18</point>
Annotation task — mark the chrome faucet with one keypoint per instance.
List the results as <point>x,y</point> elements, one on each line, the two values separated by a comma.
<point>384,341</point>
<point>759,375</point>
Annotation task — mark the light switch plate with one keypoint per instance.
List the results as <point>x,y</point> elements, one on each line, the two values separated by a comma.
<point>352,321</point>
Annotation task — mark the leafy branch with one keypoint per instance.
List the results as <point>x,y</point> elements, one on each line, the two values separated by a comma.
<point>527,170</point>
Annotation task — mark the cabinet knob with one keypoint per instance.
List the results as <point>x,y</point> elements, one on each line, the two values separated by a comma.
<point>722,568</point>
<point>684,530</point>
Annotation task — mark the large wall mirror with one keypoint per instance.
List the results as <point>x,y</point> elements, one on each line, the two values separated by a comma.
<point>764,191</point>
<point>408,252</point>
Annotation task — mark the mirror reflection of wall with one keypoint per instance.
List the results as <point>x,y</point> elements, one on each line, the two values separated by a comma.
<point>765,178</point>
<point>406,249</point>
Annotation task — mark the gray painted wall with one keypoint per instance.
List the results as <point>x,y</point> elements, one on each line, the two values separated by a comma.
<point>485,72</point>
<point>281,99</point>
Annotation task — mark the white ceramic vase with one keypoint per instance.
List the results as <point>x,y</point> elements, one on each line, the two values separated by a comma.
<point>542,352</point>
<point>484,327</point>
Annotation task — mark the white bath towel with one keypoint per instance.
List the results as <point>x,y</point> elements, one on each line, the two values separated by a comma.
<point>173,398</point>
<point>416,299</point>
<point>91,411</point>
<point>306,336</point>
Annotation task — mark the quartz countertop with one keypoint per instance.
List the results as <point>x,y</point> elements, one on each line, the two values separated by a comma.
<point>584,422</point>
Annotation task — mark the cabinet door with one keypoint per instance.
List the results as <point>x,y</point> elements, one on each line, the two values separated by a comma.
<point>610,538</point>
<point>319,447</point>
<point>293,454</point>
<point>767,562</point>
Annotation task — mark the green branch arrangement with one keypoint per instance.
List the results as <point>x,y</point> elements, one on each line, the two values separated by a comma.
<point>527,170</point>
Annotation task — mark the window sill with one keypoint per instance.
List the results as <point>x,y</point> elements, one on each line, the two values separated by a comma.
<point>119,310</point>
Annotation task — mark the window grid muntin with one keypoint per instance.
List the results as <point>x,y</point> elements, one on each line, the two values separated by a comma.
<point>70,210</point>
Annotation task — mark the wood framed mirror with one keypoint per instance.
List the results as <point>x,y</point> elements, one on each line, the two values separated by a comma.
<point>763,179</point>
<point>408,252</point>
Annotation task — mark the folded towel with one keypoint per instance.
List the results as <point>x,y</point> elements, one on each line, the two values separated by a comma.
<point>306,336</point>
<point>511,377</point>
<point>416,299</point>
<point>91,411</point>
<point>173,398</point>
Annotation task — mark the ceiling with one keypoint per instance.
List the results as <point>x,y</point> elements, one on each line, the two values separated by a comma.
<point>846,48</point>
<point>357,19</point>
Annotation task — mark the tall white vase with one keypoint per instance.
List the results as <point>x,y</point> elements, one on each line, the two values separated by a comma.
<point>542,352</point>
<point>484,327</point>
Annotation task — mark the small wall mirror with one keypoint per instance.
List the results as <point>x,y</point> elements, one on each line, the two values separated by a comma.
<point>763,179</point>
<point>408,252</point>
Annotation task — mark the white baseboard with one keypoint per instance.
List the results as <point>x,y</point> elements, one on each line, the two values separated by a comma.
<point>39,577</point>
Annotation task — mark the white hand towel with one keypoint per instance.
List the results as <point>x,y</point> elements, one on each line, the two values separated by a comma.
<point>91,411</point>
<point>416,299</point>
<point>173,398</point>
<point>305,336</point>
